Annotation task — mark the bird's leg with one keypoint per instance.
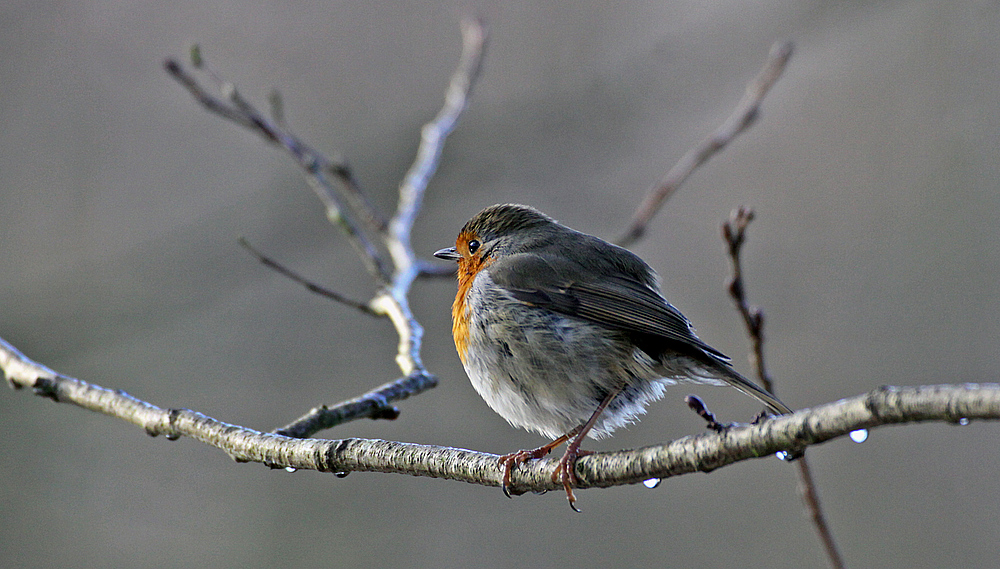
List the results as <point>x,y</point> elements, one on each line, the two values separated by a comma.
<point>565,469</point>
<point>508,461</point>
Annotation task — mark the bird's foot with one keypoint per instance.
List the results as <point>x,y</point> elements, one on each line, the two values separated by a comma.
<point>565,471</point>
<point>508,462</point>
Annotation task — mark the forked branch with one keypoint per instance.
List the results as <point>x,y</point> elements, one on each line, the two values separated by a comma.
<point>366,229</point>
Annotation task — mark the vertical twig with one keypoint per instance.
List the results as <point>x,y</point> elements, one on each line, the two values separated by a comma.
<point>392,300</point>
<point>734,233</point>
<point>432,137</point>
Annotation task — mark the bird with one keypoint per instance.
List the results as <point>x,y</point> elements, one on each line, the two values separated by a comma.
<point>567,335</point>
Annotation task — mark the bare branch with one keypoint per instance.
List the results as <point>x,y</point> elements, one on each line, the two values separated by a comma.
<point>810,497</point>
<point>432,137</point>
<point>310,286</point>
<point>373,405</point>
<point>392,300</point>
<point>743,116</point>
<point>394,285</point>
<point>734,233</point>
<point>705,452</point>
<point>435,270</point>
<point>237,109</point>
<point>339,168</point>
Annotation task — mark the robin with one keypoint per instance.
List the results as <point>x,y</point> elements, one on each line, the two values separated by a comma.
<point>567,335</point>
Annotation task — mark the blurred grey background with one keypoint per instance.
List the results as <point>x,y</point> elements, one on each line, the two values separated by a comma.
<point>873,171</point>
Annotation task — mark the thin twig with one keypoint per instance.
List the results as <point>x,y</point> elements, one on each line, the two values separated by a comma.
<point>340,169</point>
<point>743,116</point>
<point>232,106</point>
<point>705,452</point>
<point>310,286</point>
<point>810,496</point>
<point>696,404</point>
<point>435,270</point>
<point>734,233</point>
<point>372,405</point>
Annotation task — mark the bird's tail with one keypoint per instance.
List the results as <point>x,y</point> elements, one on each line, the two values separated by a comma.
<point>732,377</point>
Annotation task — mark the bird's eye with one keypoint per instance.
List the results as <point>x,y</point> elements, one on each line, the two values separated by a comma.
<point>473,246</point>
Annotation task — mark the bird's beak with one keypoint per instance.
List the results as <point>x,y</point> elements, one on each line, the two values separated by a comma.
<point>448,253</point>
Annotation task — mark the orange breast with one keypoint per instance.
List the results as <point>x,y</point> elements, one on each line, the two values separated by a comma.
<point>468,268</point>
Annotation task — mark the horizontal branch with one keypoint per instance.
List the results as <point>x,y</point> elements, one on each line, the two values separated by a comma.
<point>697,453</point>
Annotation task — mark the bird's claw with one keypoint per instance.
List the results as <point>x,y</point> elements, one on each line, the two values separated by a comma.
<point>565,473</point>
<point>508,462</point>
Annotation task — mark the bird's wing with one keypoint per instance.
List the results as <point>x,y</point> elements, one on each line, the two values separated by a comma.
<point>620,303</point>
